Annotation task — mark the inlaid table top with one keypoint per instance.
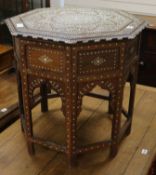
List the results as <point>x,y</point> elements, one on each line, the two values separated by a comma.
<point>71,25</point>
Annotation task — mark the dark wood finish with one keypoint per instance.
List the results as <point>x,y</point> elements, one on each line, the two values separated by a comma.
<point>147,66</point>
<point>98,96</point>
<point>44,98</point>
<point>25,5</point>
<point>47,3</point>
<point>8,117</point>
<point>10,8</point>
<point>29,4</point>
<point>20,97</point>
<point>5,37</point>
<point>73,71</point>
<point>152,170</point>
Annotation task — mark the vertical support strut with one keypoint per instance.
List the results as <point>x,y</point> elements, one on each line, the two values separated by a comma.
<point>44,99</point>
<point>70,106</point>
<point>116,122</point>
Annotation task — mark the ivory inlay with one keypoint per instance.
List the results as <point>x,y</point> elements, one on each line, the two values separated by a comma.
<point>71,25</point>
<point>45,59</point>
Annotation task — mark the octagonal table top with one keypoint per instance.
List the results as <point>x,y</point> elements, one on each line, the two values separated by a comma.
<point>71,25</point>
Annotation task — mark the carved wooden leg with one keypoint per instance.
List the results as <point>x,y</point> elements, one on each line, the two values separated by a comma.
<point>71,119</point>
<point>20,97</point>
<point>70,111</point>
<point>117,109</point>
<point>29,133</point>
<point>27,112</point>
<point>44,99</point>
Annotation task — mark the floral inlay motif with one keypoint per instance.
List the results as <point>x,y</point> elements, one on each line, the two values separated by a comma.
<point>45,59</point>
<point>98,61</point>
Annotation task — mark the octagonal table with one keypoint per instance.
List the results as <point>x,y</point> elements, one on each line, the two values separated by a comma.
<point>71,50</point>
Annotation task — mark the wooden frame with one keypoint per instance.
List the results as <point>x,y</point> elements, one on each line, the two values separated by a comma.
<point>72,78</point>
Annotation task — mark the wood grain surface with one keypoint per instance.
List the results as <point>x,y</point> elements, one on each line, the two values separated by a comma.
<point>93,125</point>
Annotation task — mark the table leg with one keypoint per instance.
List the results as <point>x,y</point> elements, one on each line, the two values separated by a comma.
<point>20,99</point>
<point>133,80</point>
<point>117,98</point>
<point>27,112</point>
<point>110,111</point>
<point>70,112</point>
<point>44,99</point>
<point>71,120</point>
